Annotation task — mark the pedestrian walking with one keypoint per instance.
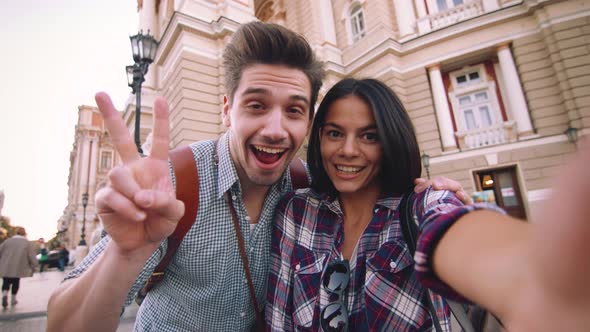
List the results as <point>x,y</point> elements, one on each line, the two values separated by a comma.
<point>43,254</point>
<point>17,260</point>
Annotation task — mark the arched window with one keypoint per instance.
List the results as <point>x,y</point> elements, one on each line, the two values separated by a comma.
<point>357,23</point>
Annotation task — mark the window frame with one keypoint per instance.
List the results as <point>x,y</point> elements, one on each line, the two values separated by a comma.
<point>483,84</point>
<point>356,21</point>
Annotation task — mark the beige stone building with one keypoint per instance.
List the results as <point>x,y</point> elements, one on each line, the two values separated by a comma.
<point>91,158</point>
<point>491,85</point>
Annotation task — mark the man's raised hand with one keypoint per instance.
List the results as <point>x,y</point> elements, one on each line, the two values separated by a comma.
<point>138,207</point>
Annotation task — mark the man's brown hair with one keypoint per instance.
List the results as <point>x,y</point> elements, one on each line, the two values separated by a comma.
<point>268,43</point>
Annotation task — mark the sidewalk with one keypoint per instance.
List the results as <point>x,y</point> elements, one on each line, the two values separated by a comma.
<point>30,313</point>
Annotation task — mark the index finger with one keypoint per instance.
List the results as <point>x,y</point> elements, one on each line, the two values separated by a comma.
<point>116,127</point>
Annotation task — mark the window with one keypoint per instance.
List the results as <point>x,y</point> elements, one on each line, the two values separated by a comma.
<point>357,23</point>
<point>474,99</point>
<point>443,5</point>
<point>106,160</point>
<point>476,110</point>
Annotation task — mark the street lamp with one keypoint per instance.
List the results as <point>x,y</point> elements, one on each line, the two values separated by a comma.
<point>144,51</point>
<point>426,162</point>
<point>572,134</point>
<point>84,204</point>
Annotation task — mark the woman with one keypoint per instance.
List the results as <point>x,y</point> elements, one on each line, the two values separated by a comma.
<point>338,254</point>
<point>17,260</point>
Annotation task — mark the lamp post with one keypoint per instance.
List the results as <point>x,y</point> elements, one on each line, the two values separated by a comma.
<point>572,135</point>
<point>84,204</point>
<point>144,51</point>
<point>426,162</point>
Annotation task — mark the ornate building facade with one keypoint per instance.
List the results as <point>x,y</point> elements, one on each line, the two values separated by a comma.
<point>91,158</point>
<point>491,85</point>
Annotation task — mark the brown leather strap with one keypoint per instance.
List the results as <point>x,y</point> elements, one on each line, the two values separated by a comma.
<point>234,217</point>
<point>187,190</point>
<point>298,173</point>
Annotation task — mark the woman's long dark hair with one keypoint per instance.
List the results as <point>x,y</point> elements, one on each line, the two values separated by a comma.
<point>401,155</point>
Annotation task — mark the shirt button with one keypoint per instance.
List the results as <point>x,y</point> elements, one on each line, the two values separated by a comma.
<point>392,264</point>
<point>242,314</point>
<point>234,197</point>
<point>247,218</point>
<point>297,267</point>
<point>245,281</point>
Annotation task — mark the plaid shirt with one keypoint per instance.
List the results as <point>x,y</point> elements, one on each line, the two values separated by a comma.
<point>205,287</point>
<point>384,292</point>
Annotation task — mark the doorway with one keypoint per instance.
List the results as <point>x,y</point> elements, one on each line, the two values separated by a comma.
<point>503,182</point>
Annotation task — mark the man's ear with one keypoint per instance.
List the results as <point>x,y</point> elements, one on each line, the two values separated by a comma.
<point>226,118</point>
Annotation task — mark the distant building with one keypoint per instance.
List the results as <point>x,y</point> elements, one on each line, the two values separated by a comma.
<point>91,158</point>
<point>491,85</point>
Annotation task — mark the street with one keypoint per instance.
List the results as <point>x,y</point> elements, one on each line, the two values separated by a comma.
<point>30,313</point>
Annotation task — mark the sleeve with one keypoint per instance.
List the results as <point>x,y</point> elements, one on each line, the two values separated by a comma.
<point>436,211</point>
<point>279,294</point>
<point>145,273</point>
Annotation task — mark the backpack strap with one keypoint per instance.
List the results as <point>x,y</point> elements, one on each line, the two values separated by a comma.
<point>187,179</point>
<point>187,190</point>
<point>298,174</point>
<point>410,232</point>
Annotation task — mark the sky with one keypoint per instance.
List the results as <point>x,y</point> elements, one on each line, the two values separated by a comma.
<point>54,56</point>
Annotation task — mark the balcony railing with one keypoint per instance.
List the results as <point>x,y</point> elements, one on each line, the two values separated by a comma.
<point>456,14</point>
<point>497,134</point>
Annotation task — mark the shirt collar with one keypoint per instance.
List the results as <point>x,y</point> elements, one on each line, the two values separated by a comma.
<point>387,200</point>
<point>228,175</point>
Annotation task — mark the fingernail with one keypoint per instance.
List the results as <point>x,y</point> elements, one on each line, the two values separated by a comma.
<point>436,184</point>
<point>139,216</point>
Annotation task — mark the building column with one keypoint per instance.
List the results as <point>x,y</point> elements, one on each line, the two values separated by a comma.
<point>441,106</point>
<point>515,94</point>
<point>148,21</point>
<point>404,12</point>
<point>423,20</point>
<point>329,50</point>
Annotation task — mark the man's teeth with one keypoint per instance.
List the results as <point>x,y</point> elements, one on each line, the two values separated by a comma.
<point>348,169</point>
<point>268,150</point>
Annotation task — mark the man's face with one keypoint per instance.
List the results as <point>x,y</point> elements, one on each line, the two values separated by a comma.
<point>268,120</point>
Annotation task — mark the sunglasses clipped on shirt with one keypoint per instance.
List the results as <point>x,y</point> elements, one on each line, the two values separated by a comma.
<point>334,317</point>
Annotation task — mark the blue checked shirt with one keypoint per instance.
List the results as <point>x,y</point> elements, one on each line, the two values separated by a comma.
<point>386,290</point>
<point>205,287</point>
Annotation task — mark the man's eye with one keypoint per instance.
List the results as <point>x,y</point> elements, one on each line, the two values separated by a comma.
<point>254,106</point>
<point>295,110</point>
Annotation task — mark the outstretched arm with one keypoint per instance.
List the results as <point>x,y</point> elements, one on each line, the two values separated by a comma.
<point>138,209</point>
<point>443,183</point>
<point>534,276</point>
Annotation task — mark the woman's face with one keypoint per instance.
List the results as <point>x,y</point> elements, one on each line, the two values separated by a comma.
<point>350,147</point>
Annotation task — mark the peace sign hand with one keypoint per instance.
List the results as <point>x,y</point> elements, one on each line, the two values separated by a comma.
<point>138,207</point>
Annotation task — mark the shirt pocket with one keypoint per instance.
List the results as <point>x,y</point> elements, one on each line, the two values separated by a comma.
<point>387,300</point>
<point>307,267</point>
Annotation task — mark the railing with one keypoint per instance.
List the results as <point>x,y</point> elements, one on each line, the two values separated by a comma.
<point>456,14</point>
<point>496,134</point>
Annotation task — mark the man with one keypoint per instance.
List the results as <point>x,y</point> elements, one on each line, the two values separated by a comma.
<point>272,83</point>
<point>17,260</point>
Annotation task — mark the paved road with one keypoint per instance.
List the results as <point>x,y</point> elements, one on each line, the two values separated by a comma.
<point>30,313</point>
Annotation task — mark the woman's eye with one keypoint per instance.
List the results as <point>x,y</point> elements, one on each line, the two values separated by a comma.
<point>371,137</point>
<point>333,133</point>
